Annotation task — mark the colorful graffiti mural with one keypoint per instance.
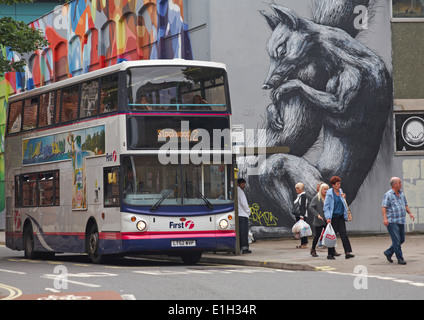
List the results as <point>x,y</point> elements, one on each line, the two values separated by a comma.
<point>88,35</point>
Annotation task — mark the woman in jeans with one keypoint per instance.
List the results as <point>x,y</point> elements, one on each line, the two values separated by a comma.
<point>316,208</point>
<point>335,211</point>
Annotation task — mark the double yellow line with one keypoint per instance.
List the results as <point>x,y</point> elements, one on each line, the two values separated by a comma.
<point>13,292</point>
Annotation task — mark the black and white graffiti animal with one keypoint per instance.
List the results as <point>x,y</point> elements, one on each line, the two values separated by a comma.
<point>331,97</point>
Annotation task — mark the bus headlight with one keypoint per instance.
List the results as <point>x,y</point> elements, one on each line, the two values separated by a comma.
<point>223,224</point>
<point>141,225</point>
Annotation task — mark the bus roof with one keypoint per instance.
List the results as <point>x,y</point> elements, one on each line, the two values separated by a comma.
<point>117,67</point>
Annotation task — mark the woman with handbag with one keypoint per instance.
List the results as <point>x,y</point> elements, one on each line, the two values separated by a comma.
<point>299,211</point>
<point>316,208</point>
<point>336,213</point>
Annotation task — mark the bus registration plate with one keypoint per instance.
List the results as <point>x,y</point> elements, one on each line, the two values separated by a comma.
<point>183,243</point>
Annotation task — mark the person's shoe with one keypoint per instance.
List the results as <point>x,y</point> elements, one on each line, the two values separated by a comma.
<point>331,258</point>
<point>349,255</point>
<point>389,258</point>
<point>314,253</point>
<point>336,254</point>
<point>402,262</point>
<point>247,251</point>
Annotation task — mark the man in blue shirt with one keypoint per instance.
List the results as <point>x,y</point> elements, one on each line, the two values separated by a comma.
<point>394,209</point>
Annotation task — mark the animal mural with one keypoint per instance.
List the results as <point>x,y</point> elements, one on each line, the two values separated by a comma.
<point>88,35</point>
<point>330,101</point>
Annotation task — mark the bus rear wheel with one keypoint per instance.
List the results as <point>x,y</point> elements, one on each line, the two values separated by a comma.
<point>28,242</point>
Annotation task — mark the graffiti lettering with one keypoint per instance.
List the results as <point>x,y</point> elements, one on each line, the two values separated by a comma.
<point>263,218</point>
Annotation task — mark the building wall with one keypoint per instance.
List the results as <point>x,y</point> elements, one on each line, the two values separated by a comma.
<point>27,12</point>
<point>334,109</point>
<point>408,44</point>
<point>352,138</point>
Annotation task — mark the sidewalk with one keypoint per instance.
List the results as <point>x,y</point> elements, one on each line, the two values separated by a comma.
<point>282,254</point>
<point>368,250</point>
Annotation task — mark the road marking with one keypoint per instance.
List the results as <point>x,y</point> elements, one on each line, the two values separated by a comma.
<point>324,268</point>
<point>11,271</point>
<point>370,276</point>
<point>13,292</point>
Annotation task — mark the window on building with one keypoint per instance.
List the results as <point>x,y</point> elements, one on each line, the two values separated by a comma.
<point>408,8</point>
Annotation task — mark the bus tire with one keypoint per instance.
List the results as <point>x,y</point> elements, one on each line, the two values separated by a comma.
<point>191,258</point>
<point>28,242</point>
<point>93,244</point>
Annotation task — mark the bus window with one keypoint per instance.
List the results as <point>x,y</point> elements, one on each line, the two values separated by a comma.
<point>109,93</point>
<point>89,98</point>
<point>15,117</point>
<point>29,190</point>
<point>58,103</point>
<point>70,103</point>
<point>30,113</point>
<point>18,192</point>
<point>111,187</point>
<point>48,187</point>
<point>46,113</point>
<point>176,89</point>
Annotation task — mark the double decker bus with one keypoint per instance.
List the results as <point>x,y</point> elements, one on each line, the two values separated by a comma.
<point>133,158</point>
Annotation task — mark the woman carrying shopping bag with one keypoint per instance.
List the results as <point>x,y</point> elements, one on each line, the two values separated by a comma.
<point>336,213</point>
<point>299,211</point>
<point>316,209</point>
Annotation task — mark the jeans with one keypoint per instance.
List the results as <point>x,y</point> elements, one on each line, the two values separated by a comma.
<point>397,233</point>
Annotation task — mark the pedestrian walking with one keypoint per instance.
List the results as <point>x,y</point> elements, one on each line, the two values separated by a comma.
<point>316,209</point>
<point>394,209</point>
<point>336,213</point>
<point>244,214</point>
<point>300,210</point>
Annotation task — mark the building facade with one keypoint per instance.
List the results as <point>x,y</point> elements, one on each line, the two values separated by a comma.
<point>316,76</point>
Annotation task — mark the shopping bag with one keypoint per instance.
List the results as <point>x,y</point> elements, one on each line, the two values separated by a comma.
<point>296,229</point>
<point>329,238</point>
<point>305,230</point>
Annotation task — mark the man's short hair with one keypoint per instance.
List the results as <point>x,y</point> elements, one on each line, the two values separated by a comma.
<point>241,180</point>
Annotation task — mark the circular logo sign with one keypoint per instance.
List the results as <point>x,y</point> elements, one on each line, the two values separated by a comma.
<point>413,132</point>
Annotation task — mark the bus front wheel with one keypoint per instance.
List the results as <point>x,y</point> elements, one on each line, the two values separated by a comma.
<point>191,258</point>
<point>93,245</point>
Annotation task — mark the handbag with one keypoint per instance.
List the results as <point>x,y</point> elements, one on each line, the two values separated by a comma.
<point>329,238</point>
<point>296,209</point>
<point>349,214</point>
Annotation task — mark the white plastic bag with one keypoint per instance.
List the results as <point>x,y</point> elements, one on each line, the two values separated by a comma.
<point>305,230</point>
<point>296,227</point>
<point>329,238</point>
<point>301,229</point>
